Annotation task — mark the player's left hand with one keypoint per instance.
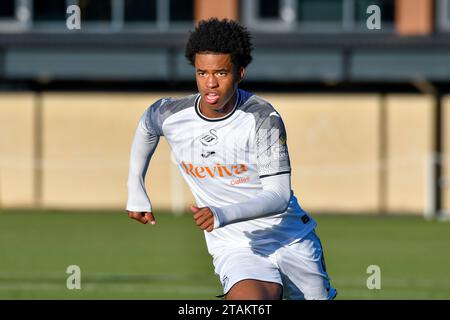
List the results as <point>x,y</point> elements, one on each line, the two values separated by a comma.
<point>203,217</point>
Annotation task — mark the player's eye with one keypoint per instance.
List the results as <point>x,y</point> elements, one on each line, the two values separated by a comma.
<point>222,74</point>
<point>201,73</point>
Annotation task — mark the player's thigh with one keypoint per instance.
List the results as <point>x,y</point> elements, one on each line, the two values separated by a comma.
<point>250,289</point>
<point>235,266</point>
<point>302,267</point>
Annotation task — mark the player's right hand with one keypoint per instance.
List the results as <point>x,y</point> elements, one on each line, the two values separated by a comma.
<point>142,217</point>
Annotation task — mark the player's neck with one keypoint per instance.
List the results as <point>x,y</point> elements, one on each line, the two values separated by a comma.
<point>210,112</point>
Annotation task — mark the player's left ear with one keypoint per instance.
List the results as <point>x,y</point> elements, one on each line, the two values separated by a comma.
<point>241,73</point>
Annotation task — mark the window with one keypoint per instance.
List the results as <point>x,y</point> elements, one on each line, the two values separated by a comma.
<point>7,9</point>
<point>159,14</point>
<point>95,10</point>
<point>320,11</point>
<point>269,9</point>
<point>103,15</point>
<point>49,10</point>
<point>443,15</point>
<point>181,10</point>
<point>140,10</point>
<point>315,15</point>
<point>14,15</point>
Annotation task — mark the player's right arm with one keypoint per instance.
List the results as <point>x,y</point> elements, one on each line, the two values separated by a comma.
<point>144,144</point>
<point>274,173</point>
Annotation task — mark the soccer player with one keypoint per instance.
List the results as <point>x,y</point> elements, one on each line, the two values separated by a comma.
<point>230,146</point>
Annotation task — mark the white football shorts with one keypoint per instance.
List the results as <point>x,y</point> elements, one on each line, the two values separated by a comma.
<point>299,267</point>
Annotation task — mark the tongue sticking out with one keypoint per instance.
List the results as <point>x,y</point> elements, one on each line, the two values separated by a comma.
<point>211,98</point>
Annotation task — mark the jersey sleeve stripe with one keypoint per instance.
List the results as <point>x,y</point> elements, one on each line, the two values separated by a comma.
<point>274,174</point>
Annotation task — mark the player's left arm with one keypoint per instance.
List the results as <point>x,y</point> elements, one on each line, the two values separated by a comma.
<point>274,170</point>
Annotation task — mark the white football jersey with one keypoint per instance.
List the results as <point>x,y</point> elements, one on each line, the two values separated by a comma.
<point>223,161</point>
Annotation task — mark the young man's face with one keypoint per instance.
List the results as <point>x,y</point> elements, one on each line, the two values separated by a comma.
<point>217,79</point>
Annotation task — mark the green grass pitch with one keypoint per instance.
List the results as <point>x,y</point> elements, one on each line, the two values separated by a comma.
<point>122,259</point>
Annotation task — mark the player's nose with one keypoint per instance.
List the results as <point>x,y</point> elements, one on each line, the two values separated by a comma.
<point>212,82</point>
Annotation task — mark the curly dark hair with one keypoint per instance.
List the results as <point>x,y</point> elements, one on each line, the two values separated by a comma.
<point>220,36</point>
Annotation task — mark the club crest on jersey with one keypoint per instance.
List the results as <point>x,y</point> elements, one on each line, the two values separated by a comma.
<point>210,138</point>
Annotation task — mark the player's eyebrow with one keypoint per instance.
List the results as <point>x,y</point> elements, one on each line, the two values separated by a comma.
<point>214,70</point>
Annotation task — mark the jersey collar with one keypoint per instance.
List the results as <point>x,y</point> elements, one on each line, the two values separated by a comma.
<point>197,109</point>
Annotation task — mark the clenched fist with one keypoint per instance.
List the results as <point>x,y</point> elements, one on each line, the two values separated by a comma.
<point>142,217</point>
<point>203,217</point>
